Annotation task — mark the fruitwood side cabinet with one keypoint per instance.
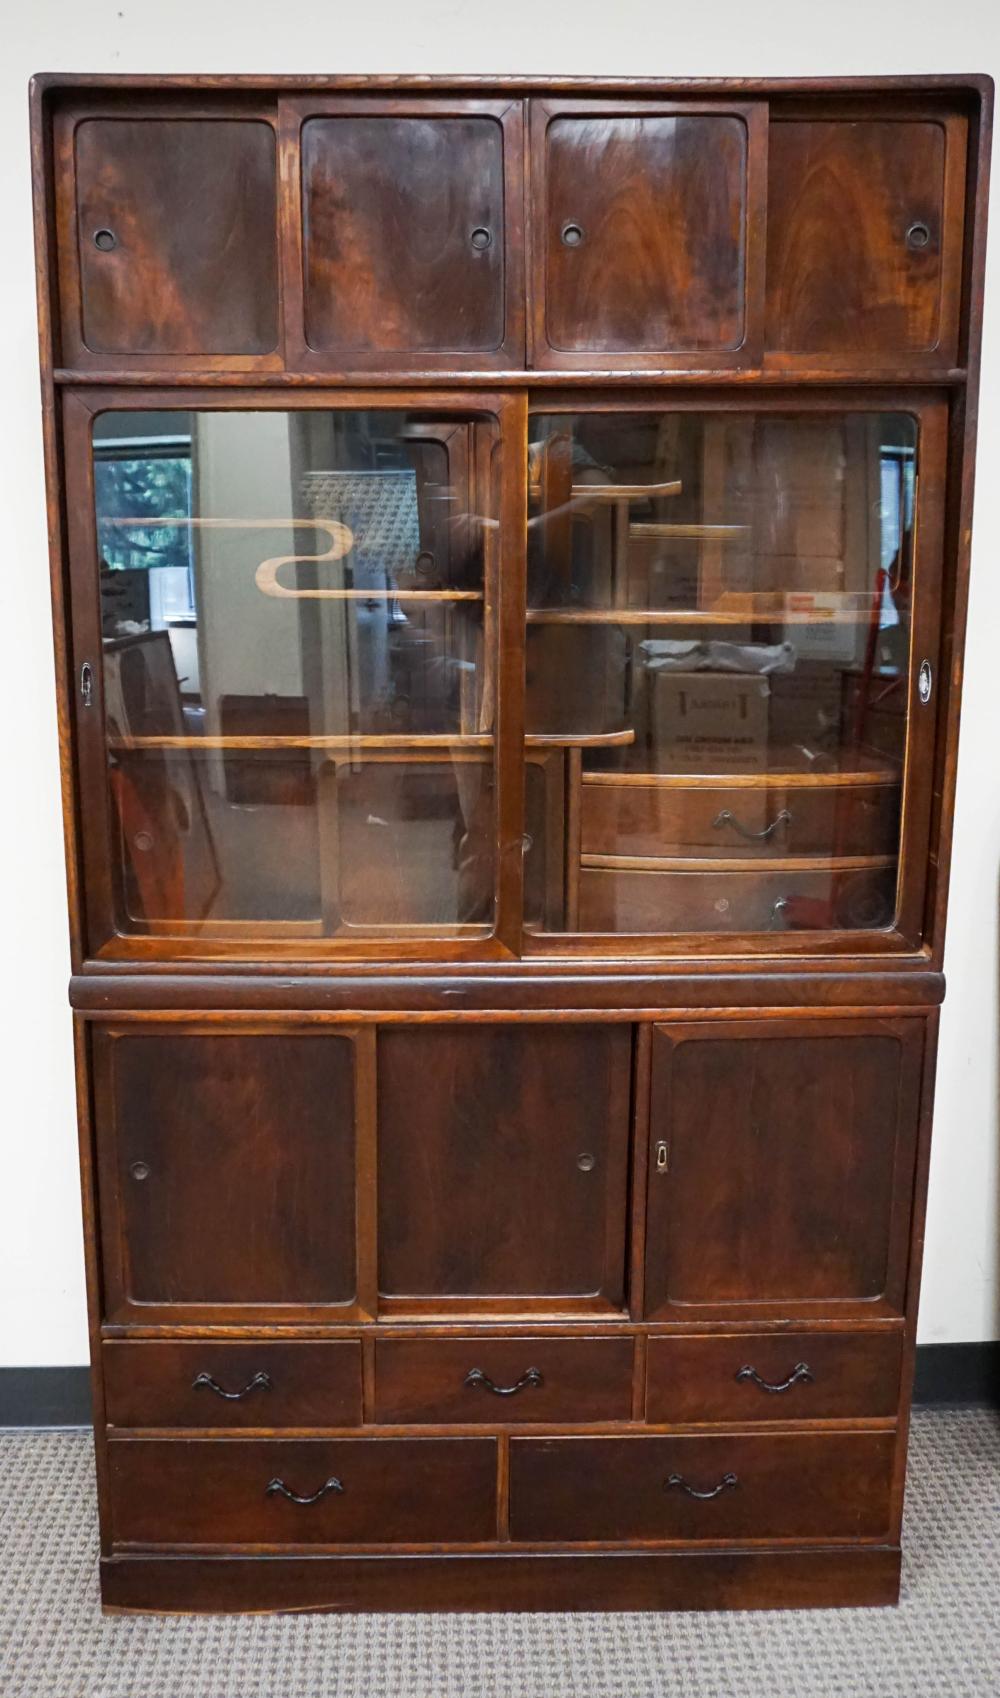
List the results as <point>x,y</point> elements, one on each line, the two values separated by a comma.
<point>509,554</point>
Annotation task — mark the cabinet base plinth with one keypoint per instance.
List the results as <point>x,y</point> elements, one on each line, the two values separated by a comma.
<point>608,1580</point>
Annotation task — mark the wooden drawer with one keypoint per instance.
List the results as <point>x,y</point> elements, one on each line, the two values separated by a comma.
<point>628,899</point>
<point>503,1379</point>
<point>226,1491</point>
<point>773,1376</point>
<point>764,821</point>
<point>787,1486</point>
<point>201,1384</point>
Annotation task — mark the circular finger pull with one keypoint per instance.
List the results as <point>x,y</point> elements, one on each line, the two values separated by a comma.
<point>481,238</point>
<point>105,240</point>
<point>572,235</point>
<point>139,1170</point>
<point>585,1161</point>
<point>918,235</point>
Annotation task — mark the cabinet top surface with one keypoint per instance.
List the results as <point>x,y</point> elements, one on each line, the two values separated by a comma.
<point>531,84</point>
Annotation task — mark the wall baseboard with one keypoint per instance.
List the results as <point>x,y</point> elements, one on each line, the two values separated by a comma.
<point>60,1397</point>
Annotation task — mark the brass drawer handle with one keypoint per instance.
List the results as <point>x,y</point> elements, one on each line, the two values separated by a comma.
<point>801,1371</point>
<point>276,1488</point>
<point>725,1484</point>
<point>476,1377</point>
<point>728,818</point>
<point>257,1382</point>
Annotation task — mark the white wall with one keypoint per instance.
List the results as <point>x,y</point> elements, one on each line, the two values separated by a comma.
<point>41,1276</point>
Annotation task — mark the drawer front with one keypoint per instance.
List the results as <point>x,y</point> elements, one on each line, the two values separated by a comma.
<point>773,1376</point>
<point>762,821</point>
<point>503,1379</point>
<point>787,1486</point>
<point>625,899</point>
<point>201,1384</point>
<point>355,1491</point>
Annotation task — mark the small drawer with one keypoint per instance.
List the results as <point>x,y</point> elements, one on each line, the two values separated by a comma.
<point>236,1491</point>
<point>775,1376</point>
<point>491,1380</point>
<point>743,1487</point>
<point>759,821</point>
<point>618,896</point>
<point>206,1384</point>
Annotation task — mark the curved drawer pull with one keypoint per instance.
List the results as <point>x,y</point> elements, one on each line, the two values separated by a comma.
<point>801,1371</point>
<point>277,1488</point>
<point>476,1377</point>
<point>725,1484</point>
<point>728,818</point>
<point>257,1382</point>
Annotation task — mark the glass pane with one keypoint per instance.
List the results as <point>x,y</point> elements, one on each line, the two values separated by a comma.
<point>299,663</point>
<point>718,636</point>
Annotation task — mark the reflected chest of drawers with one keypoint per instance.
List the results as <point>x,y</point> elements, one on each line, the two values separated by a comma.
<point>509,558</point>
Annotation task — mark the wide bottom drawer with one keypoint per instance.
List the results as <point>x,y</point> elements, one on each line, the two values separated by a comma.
<point>225,1491</point>
<point>786,897</point>
<point>808,1486</point>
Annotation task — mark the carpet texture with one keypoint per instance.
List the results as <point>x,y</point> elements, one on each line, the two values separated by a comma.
<point>944,1640</point>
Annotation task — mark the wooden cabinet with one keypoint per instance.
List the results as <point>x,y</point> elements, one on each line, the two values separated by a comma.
<point>522,1132</point>
<point>510,552</point>
<point>781,1166</point>
<point>227,1171</point>
<point>647,233</point>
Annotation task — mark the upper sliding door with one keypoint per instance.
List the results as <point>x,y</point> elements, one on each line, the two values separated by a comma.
<point>732,621</point>
<point>286,627</point>
<point>647,234</point>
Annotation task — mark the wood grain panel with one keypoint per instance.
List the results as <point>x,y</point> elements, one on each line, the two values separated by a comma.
<point>856,232</point>
<point>230,1160</point>
<point>560,1379</point>
<point>502,1153</point>
<point>763,822</point>
<point>193,266</point>
<point>258,1384</point>
<point>403,234</point>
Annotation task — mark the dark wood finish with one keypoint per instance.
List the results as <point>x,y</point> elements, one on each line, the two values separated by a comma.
<point>227,1170</point>
<point>577,1380</point>
<point>864,236</point>
<point>745,897</point>
<point>205,1383</point>
<point>161,259</point>
<point>420,1099</point>
<point>788,1166</point>
<point>519,1131</point>
<point>584,1580</point>
<point>214,1491</point>
<point>784,1486</point>
<point>646,234</point>
<point>846,1375</point>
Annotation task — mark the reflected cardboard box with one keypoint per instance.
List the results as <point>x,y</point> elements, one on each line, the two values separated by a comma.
<point>710,721</point>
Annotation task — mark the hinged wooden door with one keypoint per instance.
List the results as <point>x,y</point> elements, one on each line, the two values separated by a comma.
<point>781,1167</point>
<point>647,233</point>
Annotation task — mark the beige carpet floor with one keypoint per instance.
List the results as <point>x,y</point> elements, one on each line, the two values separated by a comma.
<point>944,1640</point>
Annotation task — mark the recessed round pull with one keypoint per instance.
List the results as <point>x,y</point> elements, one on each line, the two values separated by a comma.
<point>105,240</point>
<point>571,235</point>
<point>586,1162</point>
<point>918,235</point>
<point>140,1170</point>
<point>481,238</point>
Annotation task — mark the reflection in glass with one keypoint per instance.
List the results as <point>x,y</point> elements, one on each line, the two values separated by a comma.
<point>299,647</point>
<point>719,617</point>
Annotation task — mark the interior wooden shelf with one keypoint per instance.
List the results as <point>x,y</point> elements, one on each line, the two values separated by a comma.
<point>696,616</point>
<point>430,740</point>
<point>755,864</point>
<point>773,778</point>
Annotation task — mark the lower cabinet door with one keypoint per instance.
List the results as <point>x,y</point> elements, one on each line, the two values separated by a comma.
<point>486,1380</point>
<point>502,1155</point>
<point>781,1166</point>
<point>772,1376</point>
<point>223,1491</point>
<point>815,1486</point>
<point>226,1161</point>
